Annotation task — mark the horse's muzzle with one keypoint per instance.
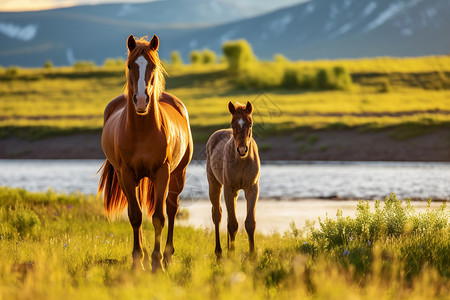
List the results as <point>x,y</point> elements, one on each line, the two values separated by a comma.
<point>242,150</point>
<point>141,102</point>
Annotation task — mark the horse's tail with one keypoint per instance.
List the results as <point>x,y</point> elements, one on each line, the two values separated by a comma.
<point>147,195</point>
<point>115,199</point>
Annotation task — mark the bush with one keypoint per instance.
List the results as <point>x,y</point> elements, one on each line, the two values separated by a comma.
<point>175,58</point>
<point>195,57</point>
<point>114,62</point>
<point>280,58</point>
<point>419,239</point>
<point>209,56</point>
<point>12,71</point>
<point>293,76</point>
<point>24,221</point>
<point>239,55</point>
<point>84,65</point>
<point>48,64</point>
<point>261,76</point>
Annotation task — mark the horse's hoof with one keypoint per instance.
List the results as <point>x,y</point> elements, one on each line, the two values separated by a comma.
<point>137,267</point>
<point>157,266</point>
<point>167,260</point>
<point>218,255</point>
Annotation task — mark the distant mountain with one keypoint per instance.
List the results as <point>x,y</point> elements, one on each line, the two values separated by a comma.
<point>310,30</point>
<point>339,29</point>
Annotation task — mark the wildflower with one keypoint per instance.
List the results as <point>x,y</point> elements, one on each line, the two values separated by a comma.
<point>65,245</point>
<point>346,252</point>
<point>369,242</point>
<point>111,234</point>
<point>304,243</point>
<point>69,206</point>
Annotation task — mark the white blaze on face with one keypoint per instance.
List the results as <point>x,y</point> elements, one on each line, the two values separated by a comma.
<point>241,123</point>
<point>142,63</point>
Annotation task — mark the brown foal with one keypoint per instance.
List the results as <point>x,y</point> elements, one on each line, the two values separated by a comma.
<point>232,162</point>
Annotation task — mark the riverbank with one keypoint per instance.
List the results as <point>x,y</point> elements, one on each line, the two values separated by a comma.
<point>306,145</point>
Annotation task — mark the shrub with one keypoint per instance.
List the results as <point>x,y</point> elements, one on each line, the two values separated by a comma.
<point>280,58</point>
<point>84,65</point>
<point>195,57</point>
<point>24,221</point>
<point>260,75</point>
<point>175,58</point>
<point>114,62</point>
<point>48,64</point>
<point>239,55</point>
<point>209,56</point>
<point>12,71</point>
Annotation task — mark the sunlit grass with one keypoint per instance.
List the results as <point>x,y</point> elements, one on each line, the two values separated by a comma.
<point>75,98</point>
<point>57,246</point>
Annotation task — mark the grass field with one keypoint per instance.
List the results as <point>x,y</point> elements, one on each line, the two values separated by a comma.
<point>386,92</point>
<point>61,246</point>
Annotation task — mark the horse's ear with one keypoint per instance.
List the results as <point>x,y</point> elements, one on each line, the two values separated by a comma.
<point>231,108</point>
<point>131,43</point>
<point>249,108</point>
<point>154,43</point>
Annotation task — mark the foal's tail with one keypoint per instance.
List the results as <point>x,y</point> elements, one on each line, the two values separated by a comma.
<point>115,199</point>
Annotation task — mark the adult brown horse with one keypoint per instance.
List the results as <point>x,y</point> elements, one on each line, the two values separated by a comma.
<point>232,162</point>
<point>148,145</point>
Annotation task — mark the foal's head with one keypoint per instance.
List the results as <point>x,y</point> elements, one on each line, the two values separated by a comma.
<point>145,73</point>
<point>242,126</point>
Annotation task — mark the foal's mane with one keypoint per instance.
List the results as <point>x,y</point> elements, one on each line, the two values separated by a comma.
<point>143,47</point>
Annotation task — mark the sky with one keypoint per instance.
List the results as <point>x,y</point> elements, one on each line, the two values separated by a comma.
<point>29,5</point>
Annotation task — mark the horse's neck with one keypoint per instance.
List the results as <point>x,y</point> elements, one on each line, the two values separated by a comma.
<point>149,121</point>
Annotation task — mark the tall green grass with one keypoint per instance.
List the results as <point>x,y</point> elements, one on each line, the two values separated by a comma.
<point>37,103</point>
<point>56,245</point>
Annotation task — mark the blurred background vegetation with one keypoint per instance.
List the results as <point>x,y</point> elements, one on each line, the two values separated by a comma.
<point>372,93</point>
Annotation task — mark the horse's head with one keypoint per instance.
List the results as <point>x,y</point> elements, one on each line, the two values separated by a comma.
<point>145,76</point>
<point>242,126</point>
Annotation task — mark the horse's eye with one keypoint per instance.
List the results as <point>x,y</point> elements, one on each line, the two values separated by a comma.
<point>128,67</point>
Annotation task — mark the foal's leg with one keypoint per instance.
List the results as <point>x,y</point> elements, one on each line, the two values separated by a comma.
<point>230,201</point>
<point>176,185</point>
<point>215,189</point>
<point>161,182</point>
<point>128,185</point>
<point>251,195</point>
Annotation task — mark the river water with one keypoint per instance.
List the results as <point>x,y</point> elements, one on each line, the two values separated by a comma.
<point>288,190</point>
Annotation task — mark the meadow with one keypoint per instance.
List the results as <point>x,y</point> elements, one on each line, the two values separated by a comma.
<point>384,93</point>
<point>56,245</point>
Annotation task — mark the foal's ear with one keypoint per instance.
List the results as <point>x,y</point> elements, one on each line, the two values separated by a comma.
<point>154,43</point>
<point>249,108</point>
<point>231,108</point>
<point>131,43</point>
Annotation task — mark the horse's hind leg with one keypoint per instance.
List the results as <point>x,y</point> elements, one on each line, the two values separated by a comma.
<point>251,195</point>
<point>215,189</point>
<point>230,200</point>
<point>128,186</point>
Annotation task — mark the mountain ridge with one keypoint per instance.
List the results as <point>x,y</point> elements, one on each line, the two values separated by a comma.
<point>317,29</point>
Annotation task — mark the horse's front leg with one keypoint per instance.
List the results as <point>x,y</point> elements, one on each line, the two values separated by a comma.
<point>251,195</point>
<point>215,189</point>
<point>230,195</point>
<point>176,185</point>
<point>128,185</point>
<point>161,182</point>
